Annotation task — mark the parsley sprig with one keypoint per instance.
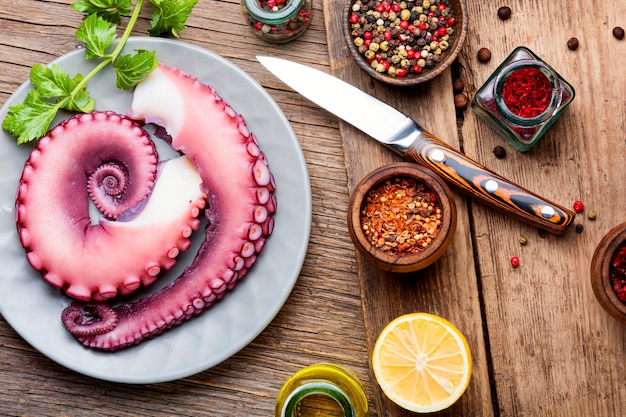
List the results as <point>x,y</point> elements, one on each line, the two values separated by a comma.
<point>55,89</point>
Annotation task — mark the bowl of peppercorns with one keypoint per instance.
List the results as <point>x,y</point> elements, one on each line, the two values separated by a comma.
<point>405,42</point>
<point>608,272</point>
<point>401,217</point>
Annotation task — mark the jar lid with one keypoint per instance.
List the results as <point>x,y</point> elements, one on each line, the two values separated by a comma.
<point>290,9</point>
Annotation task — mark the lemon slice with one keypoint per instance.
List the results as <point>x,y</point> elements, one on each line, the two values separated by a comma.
<point>422,362</point>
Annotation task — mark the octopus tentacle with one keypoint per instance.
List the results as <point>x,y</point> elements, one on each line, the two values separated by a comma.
<point>91,260</point>
<point>241,203</point>
<point>91,319</point>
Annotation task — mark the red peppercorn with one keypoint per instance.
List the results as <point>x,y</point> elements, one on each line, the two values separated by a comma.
<point>410,53</point>
<point>401,72</point>
<point>354,18</point>
<point>396,7</point>
<point>578,206</point>
<point>368,35</point>
<point>422,26</point>
<point>417,69</point>
<point>451,21</point>
<point>514,261</point>
<point>404,24</point>
<point>379,8</point>
<point>441,7</point>
<point>387,35</point>
<point>442,31</point>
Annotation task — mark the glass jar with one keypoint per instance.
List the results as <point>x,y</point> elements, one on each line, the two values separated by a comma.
<point>277,21</point>
<point>327,379</point>
<point>522,98</point>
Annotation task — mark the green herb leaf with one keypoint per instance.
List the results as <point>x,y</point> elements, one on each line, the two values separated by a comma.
<point>109,10</point>
<point>50,82</point>
<point>98,35</point>
<point>169,16</point>
<point>132,69</point>
<point>54,83</point>
<point>30,120</point>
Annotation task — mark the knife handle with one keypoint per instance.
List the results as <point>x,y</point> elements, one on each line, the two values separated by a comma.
<point>486,186</point>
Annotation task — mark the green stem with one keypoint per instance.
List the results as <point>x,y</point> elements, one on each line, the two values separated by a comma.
<point>128,30</point>
<point>111,57</point>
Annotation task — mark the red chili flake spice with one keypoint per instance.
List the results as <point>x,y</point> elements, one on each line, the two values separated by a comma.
<point>527,92</point>
<point>617,272</point>
<point>401,216</point>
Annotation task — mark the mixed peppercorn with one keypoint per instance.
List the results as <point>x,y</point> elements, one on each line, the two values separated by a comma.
<point>400,38</point>
<point>401,216</point>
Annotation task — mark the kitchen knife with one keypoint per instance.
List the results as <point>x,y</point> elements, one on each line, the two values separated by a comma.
<point>414,143</point>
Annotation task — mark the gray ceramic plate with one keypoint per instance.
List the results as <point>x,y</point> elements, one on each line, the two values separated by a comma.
<point>33,308</point>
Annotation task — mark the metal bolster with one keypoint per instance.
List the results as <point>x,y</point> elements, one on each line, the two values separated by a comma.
<point>404,137</point>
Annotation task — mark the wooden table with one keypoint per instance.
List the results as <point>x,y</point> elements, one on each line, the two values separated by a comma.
<point>541,344</point>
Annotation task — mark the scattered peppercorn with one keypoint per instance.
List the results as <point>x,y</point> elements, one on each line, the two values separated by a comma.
<point>591,215</point>
<point>499,152</point>
<point>404,38</point>
<point>484,55</point>
<point>542,233</point>
<point>458,84</point>
<point>523,240</point>
<point>578,206</point>
<point>579,228</point>
<point>572,44</point>
<point>460,101</point>
<point>618,32</point>
<point>515,262</point>
<point>504,12</point>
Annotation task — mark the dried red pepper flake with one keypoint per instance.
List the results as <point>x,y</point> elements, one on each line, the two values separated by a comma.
<point>617,272</point>
<point>527,92</point>
<point>401,216</point>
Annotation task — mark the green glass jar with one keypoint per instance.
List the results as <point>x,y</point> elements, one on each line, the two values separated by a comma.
<point>328,379</point>
<point>277,21</point>
<point>522,99</point>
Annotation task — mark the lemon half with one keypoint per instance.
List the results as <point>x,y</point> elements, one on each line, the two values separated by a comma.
<point>422,362</point>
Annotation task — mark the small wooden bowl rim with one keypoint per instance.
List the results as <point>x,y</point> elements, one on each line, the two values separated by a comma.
<point>410,80</point>
<point>403,263</point>
<point>600,265</point>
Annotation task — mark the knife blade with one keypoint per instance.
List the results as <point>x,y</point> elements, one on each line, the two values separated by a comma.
<point>414,143</point>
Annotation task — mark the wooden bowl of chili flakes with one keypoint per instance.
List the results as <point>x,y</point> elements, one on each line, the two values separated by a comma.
<point>608,272</point>
<point>402,217</point>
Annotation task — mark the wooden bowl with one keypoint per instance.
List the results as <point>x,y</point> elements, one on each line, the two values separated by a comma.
<point>600,265</point>
<point>448,56</point>
<point>403,262</point>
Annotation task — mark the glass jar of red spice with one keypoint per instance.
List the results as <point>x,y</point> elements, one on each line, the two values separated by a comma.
<point>522,98</point>
<point>277,21</point>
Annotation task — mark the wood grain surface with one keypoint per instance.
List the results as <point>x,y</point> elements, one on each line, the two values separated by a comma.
<point>541,344</point>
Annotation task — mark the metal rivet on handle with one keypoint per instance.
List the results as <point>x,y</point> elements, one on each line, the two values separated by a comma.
<point>491,186</point>
<point>547,212</point>
<point>437,155</point>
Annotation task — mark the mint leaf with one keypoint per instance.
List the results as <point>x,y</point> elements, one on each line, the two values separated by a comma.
<point>170,16</point>
<point>30,120</point>
<point>98,35</point>
<point>131,69</point>
<point>109,10</point>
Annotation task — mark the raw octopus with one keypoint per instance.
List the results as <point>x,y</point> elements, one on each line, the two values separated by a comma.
<point>233,178</point>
